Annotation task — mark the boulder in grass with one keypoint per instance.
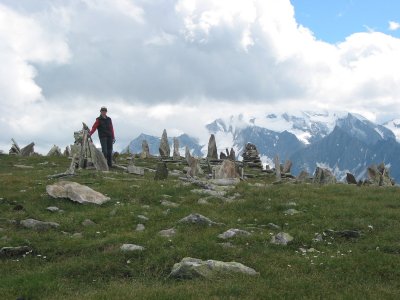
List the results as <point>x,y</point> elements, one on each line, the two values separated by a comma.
<point>14,251</point>
<point>281,238</point>
<point>75,192</point>
<point>190,268</point>
<point>198,219</point>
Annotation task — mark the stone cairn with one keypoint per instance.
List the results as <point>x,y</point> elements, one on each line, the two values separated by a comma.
<point>251,157</point>
<point>28,150</point>
<point>84,152</point>
<point>164,146</point>
<point>55,151</point>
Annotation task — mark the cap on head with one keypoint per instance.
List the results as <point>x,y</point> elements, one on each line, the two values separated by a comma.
<point>103,108</point>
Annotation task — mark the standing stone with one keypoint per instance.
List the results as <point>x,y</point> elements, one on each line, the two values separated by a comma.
<point>350,178</point>
<point>222,156</point>
<point>145,150</point>
<point>281,238</point>
<point>277,168</point>
<point>304,176</point>
<point>132,169</point>
<point>226,170</point>
<point>187,154</point>
<point>161,171</point>
<point>54,151</point>
<point>176,155</point>
<point>194,166</point>
<point>379,175</point>
<point>67,151</point>
<point>324,176</point>
<point>164,146</point>
<point>28,150</point>
<point>97,158</point>
<point>212,148</point>
<point>232,155</point>
<point>287,167</point>
<point>15,149</point>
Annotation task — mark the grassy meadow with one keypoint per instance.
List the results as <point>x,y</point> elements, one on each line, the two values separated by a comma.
<point>92,266</point>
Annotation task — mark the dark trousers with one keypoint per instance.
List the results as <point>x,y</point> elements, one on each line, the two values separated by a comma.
<point>107,148</point>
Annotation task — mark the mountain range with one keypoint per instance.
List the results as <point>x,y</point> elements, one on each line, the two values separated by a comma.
<point>341,141</point>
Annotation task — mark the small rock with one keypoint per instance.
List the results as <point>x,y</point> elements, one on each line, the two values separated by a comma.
<point>140,227</point>
<point>88,222</point>
<point>167,232</point>
<point>273,226</point>
<point>282,238</point>
<point>53,208</point>
<point>233,232</point>
<point>18,207</point>
<point>38,225</point>
<point>143,218</point>
<point>131,247</point>
<point>291,212</point>
<point>168,203</point>
<point>198,219</point>
<point>348,233</point>
<point>77,235</point>
<point>318,238</point>
<point>203,201</point>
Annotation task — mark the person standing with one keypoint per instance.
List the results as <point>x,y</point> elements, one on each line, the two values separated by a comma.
<point>105,129</point>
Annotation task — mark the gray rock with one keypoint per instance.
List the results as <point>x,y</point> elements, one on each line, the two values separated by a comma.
<point>168,203</point>
<point>212,193</point>
<point>304,177</point>
<point>161,171</point>
<point>187,154</point>
<point>233,232</point>
<point>194,167</point>
<point>140,227</point>
<point>190,268</point>
<point>198,219</point>
<point>379,175</point>
<point>131,247</point>
<point>7,252</point>
<point>75,192</point>
<point>203,201</point>
<point>164,146</point>
<point>38,225</point>
<point>212,148</point>
<point>225,181</point>
<point>28,150</point>
<point>167,232</point>
<point>281,238</point>
<point>88,222</point>
<point>232,155</point>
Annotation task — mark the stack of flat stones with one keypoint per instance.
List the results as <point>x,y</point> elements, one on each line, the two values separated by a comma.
<point>251,157</point>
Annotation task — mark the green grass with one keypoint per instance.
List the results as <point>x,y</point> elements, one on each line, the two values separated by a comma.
<point>93,267</point>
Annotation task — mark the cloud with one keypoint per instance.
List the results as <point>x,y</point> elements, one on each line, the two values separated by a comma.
<point>177,64</point>
<point>394,25</point>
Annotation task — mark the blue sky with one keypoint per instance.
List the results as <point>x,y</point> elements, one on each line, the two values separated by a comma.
<point>333,20</point>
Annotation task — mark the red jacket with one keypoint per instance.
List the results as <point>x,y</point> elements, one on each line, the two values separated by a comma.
<point>104,127</point>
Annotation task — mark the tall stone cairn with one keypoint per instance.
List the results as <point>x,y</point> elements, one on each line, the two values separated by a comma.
<point>251,158</point>
<point>145,150</point>
<point>164,146</point>
<point>277,168</point>
<point>212,148</point>
<point>176,155</point>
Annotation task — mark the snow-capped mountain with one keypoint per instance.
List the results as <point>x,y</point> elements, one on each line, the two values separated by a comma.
<point>394,126</point>
<point>342,141</point>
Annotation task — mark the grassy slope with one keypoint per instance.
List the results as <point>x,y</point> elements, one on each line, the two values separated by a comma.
<point>93,267</point>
